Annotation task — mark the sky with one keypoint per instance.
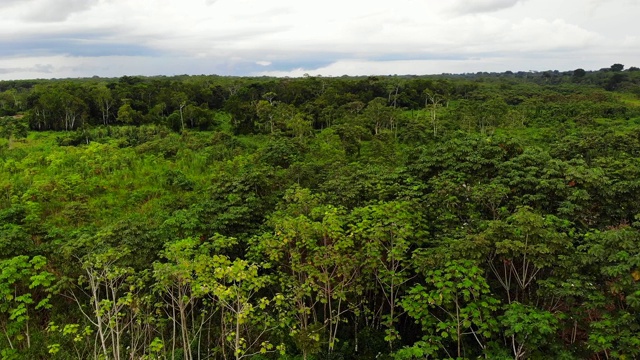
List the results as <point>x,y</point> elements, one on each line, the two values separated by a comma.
<point>112,38</point>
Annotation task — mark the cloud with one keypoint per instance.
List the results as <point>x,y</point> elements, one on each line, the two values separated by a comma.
<point>55,10</point>
<point>38,68</point>
<point>631,41</point>
<point>9,3</point>
<point>237,37</point>
<point>481,6</point>
<point>543,35</point>
<point>71,44</point>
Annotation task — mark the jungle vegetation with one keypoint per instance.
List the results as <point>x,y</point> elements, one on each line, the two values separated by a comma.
<point>488,215</point>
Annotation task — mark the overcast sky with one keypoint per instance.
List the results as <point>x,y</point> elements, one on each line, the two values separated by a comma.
<point>111,38</point>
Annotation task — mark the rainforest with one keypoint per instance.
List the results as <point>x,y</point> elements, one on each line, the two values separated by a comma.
<point>479,215</point>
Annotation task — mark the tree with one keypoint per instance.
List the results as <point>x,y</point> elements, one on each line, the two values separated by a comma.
<point>614,321</point>
<point>127,115</point>
<point>10,102</point>
<point>299,125</point>
<point>175,281</point>
<point>267,115</point>
<point>58,107</point>
<point>617,67</point>
<point>522,250</point>
<point>24,290</point>
<point>115,305</point>
<point>432,102</point>
<point>528,327</point>
<point>75,110</point>
<point>13,127</point>
<point>102,95</point>
<point>455,301</point>
<point>316,264</point>
<point>386,232</point>
<point>199,283</point>
<point>378,116</point>
<point>234,285</point>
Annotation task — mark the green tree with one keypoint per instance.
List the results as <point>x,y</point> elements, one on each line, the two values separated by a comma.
<point>103,97</point>
<point>114,303</point>
<point>453,303</point>
<point>614,256</point>
<point>127,115</point>
<point>529,328</point>
<point>25,287</point>
<point>386,233</point>
<point>617,67</point>
<point>315,262</point>
<point>523,249</point>
<point>377,115</point>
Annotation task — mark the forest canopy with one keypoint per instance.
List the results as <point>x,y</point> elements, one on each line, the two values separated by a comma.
<point>490,215</point>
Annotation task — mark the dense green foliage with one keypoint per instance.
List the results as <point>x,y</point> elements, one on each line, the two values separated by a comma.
<point>478,215</point>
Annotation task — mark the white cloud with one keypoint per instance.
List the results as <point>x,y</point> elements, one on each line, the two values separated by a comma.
<point>544,35</point>
<point>35,69</point>
<point>9,3</point>
<point>54,10</point>
<point>632,41</point>
<point>247,36</point>
<point>481,6</point>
